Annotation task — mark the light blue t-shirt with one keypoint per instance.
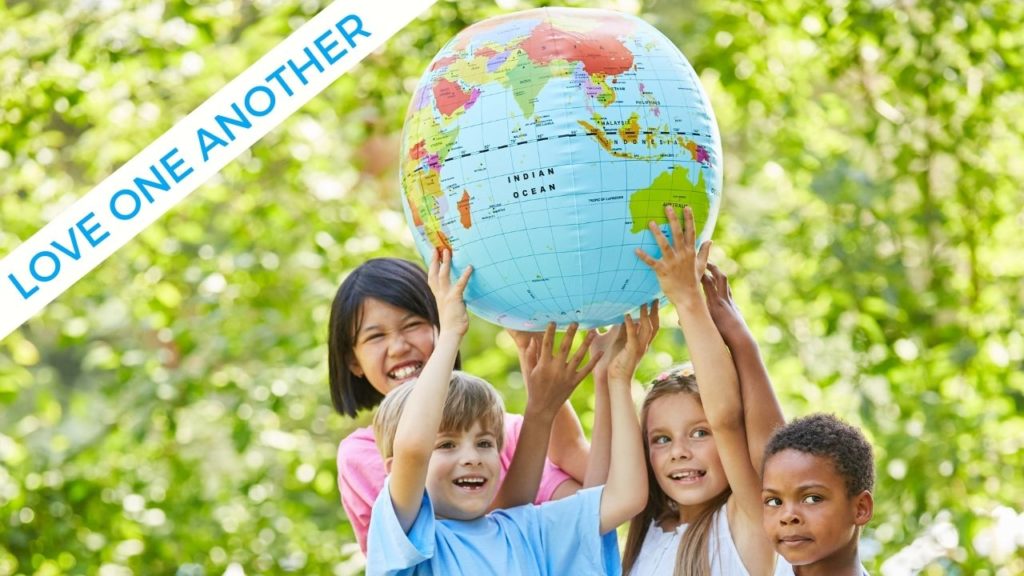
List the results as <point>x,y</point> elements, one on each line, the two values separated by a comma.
<point>556,538</point>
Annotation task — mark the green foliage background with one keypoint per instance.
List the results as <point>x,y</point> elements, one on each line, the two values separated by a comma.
<point>169,414</point>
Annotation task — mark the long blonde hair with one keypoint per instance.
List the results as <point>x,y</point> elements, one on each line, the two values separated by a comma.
<point>692,558</point>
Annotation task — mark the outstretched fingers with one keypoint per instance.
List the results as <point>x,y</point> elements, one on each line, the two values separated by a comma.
<point>581,352</point>
<point>570,335</point>
<point>679,241</point>
<point>721,282</point>
<point>433,272</point>
<point>655,317</point>
<point>709,282</point>
<point>460,285</point>
<point>659,237</point>
<point>581,373</point>
<point>548,340</point>
<point>689,236</point>
<point>702,257</point>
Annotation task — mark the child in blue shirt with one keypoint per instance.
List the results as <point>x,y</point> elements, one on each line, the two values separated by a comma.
<point>439,437</point>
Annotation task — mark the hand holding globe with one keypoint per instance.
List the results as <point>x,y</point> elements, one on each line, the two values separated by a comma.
<point>538,146</point>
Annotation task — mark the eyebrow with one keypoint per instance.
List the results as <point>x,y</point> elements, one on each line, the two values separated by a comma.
<point>800,488</point>
<point>687,426</point>
<point>367,328</point>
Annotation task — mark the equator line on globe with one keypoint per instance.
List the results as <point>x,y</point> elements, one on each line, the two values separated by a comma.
<point>537,147</point>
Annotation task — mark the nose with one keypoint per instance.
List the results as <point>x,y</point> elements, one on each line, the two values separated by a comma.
<point>789,516</point>
<point>470,456</point>
<point>681,451</point>
<point>398,344</point>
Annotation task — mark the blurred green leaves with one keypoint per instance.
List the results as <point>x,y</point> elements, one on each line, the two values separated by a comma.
<point>169,414</point>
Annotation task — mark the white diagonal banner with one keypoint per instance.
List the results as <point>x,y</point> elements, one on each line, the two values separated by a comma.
<point>192,151</point>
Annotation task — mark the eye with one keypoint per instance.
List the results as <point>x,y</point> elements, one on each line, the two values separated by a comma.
<point>772,502</point>
<point>660,439</point>
<point>488,443</point>
<point>373,337</point>
<point>700,433</point>
<point>812,499</point>
<point>414,323</point>
<point>445,445</point>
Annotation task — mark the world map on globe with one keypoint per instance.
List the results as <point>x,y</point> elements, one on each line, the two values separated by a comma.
<point>537,147</point>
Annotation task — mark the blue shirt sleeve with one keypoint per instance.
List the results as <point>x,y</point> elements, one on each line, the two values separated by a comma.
<point>390,550</point>
<point>570,529</point>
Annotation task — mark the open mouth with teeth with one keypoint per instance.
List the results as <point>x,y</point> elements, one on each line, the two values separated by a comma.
<point>687,475</point>
<point>470,482</point>
<point>405,371</point>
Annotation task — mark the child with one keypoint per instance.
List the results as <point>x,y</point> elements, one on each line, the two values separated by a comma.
<point>704,512</point>
<point>440,438</point>
<point>382,330</point>
<point>818,477</point>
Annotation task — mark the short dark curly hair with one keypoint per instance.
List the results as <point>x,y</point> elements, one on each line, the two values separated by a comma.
<point>828,436</point>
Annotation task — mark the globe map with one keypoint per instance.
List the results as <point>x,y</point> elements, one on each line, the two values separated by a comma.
<point>537,147</point>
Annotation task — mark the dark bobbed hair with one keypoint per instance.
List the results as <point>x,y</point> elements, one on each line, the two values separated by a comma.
<point>395,281</point>
<point>827,436</point>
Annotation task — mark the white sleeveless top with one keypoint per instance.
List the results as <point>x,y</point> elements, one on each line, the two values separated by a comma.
<point>658,554</point>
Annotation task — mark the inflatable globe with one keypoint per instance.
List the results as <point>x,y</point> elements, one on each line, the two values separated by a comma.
<point>537,147</point>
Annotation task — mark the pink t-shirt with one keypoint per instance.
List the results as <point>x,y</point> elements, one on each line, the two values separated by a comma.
<point>361,473</point>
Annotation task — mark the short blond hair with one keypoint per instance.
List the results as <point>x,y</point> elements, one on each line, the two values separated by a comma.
<point>469,400</point>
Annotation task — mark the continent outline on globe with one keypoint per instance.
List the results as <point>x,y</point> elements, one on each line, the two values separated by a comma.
<point>539,144</point>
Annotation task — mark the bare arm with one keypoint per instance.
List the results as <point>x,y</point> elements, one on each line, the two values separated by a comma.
<point>679,271</point>
<point>568,447</point>
<point>549,384</point>
<point>609,345</point>
<point>421,417</point>
<point>625,493</point>
<point>761,411</point>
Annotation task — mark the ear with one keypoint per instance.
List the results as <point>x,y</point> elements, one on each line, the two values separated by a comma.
<point>355,368</point>
<point>863,508</point>
<point>387,464</point>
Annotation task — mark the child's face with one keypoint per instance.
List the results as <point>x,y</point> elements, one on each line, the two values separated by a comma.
<point>807,512</point>
<point>463,474</point>
<point>684,457</point>
<point>392,345</point>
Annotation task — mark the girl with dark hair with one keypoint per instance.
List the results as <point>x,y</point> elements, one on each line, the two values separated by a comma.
<point>382,331</point>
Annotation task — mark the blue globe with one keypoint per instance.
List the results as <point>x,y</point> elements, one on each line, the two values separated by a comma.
<point>537,147</point>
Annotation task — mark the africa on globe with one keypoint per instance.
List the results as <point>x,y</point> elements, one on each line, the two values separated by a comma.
<point>537,147</point>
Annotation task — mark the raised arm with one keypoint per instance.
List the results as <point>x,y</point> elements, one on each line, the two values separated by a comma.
<point>761,411</point>
<point>568,447</point>
<point>679,272</point>
<point>625,492</point>
<point>608,345</point>
<point>421,418</point>
<point>549,384</point>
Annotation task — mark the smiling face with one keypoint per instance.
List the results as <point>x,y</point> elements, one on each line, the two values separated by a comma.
<point>683,454</point>
<point>464,472</point>
<point>391,346</point>
<point>808,515</point>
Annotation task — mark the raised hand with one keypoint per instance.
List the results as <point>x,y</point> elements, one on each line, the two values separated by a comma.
<point>556,373</point>
<point>451,307</point>
<point>681,266</point>
<point>637,337</point>
<point>607,345</point>
<point>724,312</point>
<point>528,346</point>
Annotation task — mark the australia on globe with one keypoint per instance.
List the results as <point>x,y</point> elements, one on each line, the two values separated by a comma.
<point>537,147</point>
